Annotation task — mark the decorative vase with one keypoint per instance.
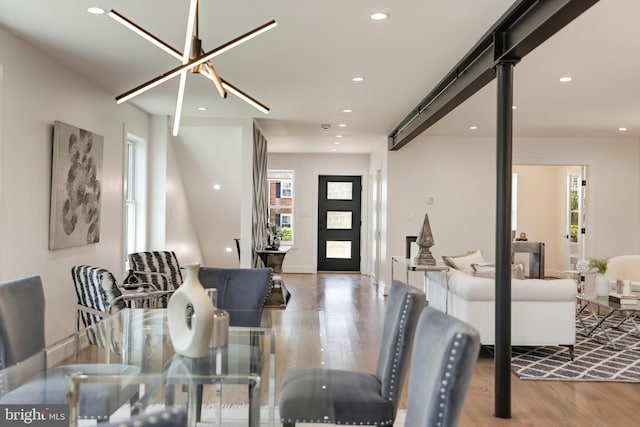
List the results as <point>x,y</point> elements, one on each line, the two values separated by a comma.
<point>602,285</point>
<point>190,334</point>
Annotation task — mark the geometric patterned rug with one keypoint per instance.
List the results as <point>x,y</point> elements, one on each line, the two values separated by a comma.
<point>594,359</point>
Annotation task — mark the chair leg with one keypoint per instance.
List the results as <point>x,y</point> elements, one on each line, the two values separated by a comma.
<point>199,390</point>
<point>288,424</point>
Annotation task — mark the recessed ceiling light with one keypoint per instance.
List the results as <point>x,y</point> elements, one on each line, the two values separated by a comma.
<point>358,79</point>
<point>227,249</point>
<point>338,136</point>
<point>202,108</point>
<point>336,142</point>
<point>347,110</point>
<point>334,150</point>
<point>379,16</point>
<point>95,11</point>
<point>565,79</point>
<point>513,107</point>
<point>342,125</point>
<point>623,129</point>
<point>216,186</point>
<point>473,127</point>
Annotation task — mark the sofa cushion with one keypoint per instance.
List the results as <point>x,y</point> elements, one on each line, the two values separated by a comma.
<point>483,289</point>
<point>463,262</point>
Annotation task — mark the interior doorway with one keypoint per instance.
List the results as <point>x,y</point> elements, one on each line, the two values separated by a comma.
<point>551,208</point>
<point>339,222</point>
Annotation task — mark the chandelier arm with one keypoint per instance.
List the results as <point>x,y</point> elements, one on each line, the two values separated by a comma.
<point>195,62</point>
<point>209,72</point>
<point>245,97</point>
<point>145,34</point>
<point>188,39</point>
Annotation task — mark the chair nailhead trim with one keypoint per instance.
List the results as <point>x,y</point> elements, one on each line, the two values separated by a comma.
<point>407,303</point>
<point>447,373</point>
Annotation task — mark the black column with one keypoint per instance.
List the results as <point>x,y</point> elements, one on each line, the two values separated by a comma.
<point>503,241</point>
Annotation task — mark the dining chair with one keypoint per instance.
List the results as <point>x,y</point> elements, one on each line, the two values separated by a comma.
<point>169,417</point>
<point>445,351</point>
<point>316,395</point>
<point>23,359</point>
<point>242,292</point>
<point>161,267</point>
<point>99,295</point>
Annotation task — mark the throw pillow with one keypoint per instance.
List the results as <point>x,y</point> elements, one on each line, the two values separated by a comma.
<point>463,262</point>
<point>488,270</point>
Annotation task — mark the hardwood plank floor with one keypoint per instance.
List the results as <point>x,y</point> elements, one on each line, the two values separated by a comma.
<point>353,313</point>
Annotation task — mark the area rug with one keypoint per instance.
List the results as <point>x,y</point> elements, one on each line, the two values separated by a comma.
<point>594,359</point>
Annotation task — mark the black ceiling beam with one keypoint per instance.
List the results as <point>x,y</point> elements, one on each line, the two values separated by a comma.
<point>525,26</point>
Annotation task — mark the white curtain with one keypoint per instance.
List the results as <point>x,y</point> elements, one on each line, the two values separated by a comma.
<point>260,208</point>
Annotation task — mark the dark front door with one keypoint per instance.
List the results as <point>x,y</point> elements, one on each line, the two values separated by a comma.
<point>339,223</point>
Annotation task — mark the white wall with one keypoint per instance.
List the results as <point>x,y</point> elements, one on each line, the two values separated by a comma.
<point>180,232</point>
<point>218,152</point>
<point>36,91</point>
<point>302,258</point>
<point>460,173</point>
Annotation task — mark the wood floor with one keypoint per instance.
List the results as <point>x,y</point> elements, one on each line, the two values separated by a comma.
<point>353,311</point>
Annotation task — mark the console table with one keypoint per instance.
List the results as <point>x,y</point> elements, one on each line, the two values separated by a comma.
<point>273,259</point>
<point>409,265</point>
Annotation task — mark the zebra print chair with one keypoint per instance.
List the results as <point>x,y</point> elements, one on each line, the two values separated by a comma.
<point>99,295</point>
<point>159,268</point>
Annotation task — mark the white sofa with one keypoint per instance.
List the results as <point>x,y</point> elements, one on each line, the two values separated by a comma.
<point>542,311</point>
<point>625,267</point>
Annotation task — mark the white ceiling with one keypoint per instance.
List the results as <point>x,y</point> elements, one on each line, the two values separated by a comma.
<point>302,69</point>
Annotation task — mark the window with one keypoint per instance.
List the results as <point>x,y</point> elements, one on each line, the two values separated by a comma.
<point>280,198</point>
<point>135,193</point>
<point>574,207</point>
<point>286,186</point>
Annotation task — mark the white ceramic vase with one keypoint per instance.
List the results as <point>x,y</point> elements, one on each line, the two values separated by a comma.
<point>602,285</point>
<point>190,335</point>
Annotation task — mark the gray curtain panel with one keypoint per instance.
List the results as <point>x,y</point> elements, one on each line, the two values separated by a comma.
<point>259,231</point>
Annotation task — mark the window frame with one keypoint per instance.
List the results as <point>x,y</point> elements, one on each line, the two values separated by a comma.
<point>283,183</point>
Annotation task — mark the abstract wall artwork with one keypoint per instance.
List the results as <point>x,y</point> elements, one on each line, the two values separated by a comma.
<point>76,174</point>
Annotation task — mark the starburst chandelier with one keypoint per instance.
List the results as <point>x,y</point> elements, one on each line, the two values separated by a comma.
<point>193,59</point>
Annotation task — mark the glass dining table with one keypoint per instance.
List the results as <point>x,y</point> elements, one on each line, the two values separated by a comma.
<point>139,339</point>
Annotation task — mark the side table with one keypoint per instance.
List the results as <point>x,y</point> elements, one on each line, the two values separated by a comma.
<point>273,259</point>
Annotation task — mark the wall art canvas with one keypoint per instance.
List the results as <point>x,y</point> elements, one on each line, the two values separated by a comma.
<point>76,179</point>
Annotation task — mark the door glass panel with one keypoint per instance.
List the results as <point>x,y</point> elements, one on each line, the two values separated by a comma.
<point>338,220</point>
<point>337,249</point>
<point>339,190</point>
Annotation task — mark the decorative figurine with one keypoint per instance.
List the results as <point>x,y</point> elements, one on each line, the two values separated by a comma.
<point>425,241</point>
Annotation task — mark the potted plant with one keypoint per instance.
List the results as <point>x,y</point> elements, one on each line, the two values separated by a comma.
<point>275,235</point>
<point>599,266</point>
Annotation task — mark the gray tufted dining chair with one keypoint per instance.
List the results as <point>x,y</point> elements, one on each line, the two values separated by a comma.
<point>347,397</point>
<point>24,376</point>
<point>445,351</point>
